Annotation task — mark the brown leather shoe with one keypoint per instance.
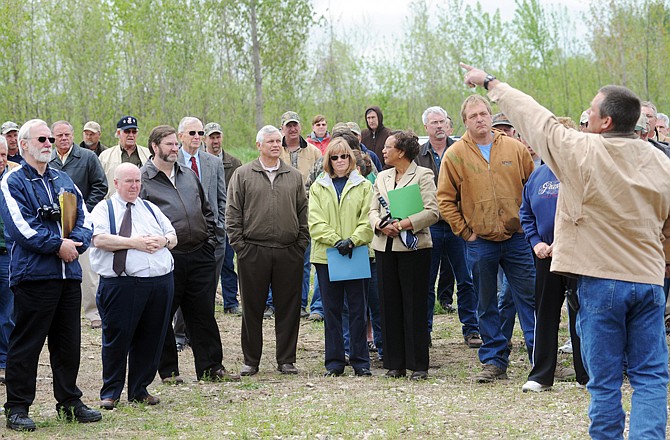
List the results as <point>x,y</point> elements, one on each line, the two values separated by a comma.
<point>108,404</point>
<point>287,369</point>
<point>396,374</point>
<point>148,400</point>
<point>248,370</point>
<point>221,375</point>
<point>172,380</point>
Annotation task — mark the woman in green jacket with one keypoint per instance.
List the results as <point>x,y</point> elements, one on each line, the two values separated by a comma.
<point>338,217</point>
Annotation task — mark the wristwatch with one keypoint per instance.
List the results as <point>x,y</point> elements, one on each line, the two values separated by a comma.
<point>487,80</point>
<point>167,242</point>
<point>399,226</point>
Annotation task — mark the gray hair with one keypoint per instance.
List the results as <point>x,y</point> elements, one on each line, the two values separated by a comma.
<point>62,123</point>
<point>649,105</point>
<point>24,132</point>
<point>435,109</point>
<point>3,141</point>
<point>268,129</point>
<point>185,121</point>
<point>664,118</point>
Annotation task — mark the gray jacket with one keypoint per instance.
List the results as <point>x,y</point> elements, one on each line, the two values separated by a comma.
<point>185,205</point>
<point>86,172</point>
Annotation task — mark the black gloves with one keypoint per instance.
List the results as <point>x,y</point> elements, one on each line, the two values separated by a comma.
<point>345,247</point>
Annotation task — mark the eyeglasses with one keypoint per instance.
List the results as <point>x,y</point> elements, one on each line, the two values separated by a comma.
<point>341,156</point>
<point>130,130</point>
<point>193,132</point>
<point>43,139</point>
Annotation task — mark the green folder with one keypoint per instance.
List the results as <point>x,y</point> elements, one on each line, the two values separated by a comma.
<point>406,201</point>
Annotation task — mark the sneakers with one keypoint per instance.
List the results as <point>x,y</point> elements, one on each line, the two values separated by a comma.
<point>315,317</point>
<point>567,348</point>
<point>304,313</point>
<point>490,373</point>
<point>535,387</point>
<point>235,310</point>
<point>473,340</point>
<point>268,313</point>
<point>564,373</point>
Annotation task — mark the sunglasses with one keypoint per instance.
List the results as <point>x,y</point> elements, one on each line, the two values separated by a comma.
<point>341,156</point>
<point>130,130</point>
<point>193,132</point>
<point>43,139</point>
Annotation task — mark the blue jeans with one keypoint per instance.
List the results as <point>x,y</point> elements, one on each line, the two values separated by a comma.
<point>617,320</point>
<point>6,309</point>
<point>506,307</point>
<point>450,249</point>
<point>229,279</point>
<point>515,257</point>
<point>316,305</point>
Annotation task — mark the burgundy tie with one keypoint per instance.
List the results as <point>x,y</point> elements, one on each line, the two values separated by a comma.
<point>119,263</point>
<point>194,166</point>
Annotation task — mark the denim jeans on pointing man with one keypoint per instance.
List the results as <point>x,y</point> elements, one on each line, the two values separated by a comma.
<point>514,255</point>
<point>445,241</point>
<point>617,320</point>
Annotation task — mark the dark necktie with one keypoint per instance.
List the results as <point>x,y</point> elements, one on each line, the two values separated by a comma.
<point>194,166</point>
<point>119,264</point>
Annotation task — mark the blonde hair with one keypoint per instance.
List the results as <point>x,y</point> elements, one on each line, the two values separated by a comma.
<point>338,146</point>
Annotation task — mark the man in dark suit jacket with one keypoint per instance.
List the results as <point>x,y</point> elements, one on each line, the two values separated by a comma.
<point>85,170</point>
<point>211,173</point>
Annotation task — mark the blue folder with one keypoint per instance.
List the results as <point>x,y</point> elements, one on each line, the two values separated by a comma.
<point>341,267</point>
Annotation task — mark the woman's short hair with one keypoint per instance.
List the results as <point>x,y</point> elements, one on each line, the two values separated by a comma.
<point>338,146</point>
<point>407,142</point>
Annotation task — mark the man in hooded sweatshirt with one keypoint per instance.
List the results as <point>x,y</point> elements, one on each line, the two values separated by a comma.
<point>375,135</point>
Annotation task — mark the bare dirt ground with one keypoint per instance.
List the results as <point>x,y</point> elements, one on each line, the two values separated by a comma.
<point>270,405</point>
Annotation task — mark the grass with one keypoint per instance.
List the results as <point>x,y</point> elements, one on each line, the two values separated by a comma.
<point>307,406</point>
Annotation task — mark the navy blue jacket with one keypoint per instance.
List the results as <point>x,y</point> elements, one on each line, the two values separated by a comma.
<point>538,208</point>
<point>33,242</point>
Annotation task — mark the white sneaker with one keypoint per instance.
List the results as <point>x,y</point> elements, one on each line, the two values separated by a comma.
<point>531,385</point>
<point>567,348</point>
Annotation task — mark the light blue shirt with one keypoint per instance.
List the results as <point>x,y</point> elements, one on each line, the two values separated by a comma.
<point>187,160</point>
<point>486,151</point>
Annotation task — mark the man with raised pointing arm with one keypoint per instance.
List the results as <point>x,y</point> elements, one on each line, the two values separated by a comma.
<point>612,233</point>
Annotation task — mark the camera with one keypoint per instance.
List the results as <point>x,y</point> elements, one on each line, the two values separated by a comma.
<point>47,212</point>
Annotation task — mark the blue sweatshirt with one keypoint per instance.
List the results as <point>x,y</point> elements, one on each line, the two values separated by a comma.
<point>538,208</point>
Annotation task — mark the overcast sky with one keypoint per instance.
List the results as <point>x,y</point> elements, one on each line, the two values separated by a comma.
<point>387,17</point>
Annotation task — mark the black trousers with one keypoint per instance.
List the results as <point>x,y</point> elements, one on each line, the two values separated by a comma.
<point>44,308</point>
<point>549,297</point>
<point>259,268</point>
<point>194,291</point>
<point>332,296</point>
<point>135,314</point>
<point>403,299</point>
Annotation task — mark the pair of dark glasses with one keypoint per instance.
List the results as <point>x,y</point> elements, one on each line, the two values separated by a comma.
<point>193,132</point>
<point>130,130</point>
<point>341,156</point>
<point>43,139</point>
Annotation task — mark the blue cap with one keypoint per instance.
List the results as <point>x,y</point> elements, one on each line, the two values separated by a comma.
<point>126,122</point>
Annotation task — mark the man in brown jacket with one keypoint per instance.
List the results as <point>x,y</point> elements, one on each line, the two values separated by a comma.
<point>479,193</point>
<point>266,221</point>
<point>612,231</point>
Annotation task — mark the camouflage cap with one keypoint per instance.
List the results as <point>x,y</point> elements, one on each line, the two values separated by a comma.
<point>641,124</point>
<point>501,119</point>
<point>212,127</point>
<point>584,118</point>
<point>354,127</point>
<point>9,126</point>
<point>92,126</point>
<point>289,117</point>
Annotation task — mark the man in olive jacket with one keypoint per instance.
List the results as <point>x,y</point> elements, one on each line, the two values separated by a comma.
<point>266,221</point>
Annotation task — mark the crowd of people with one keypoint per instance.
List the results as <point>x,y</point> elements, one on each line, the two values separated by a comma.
<point>521,212</point>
